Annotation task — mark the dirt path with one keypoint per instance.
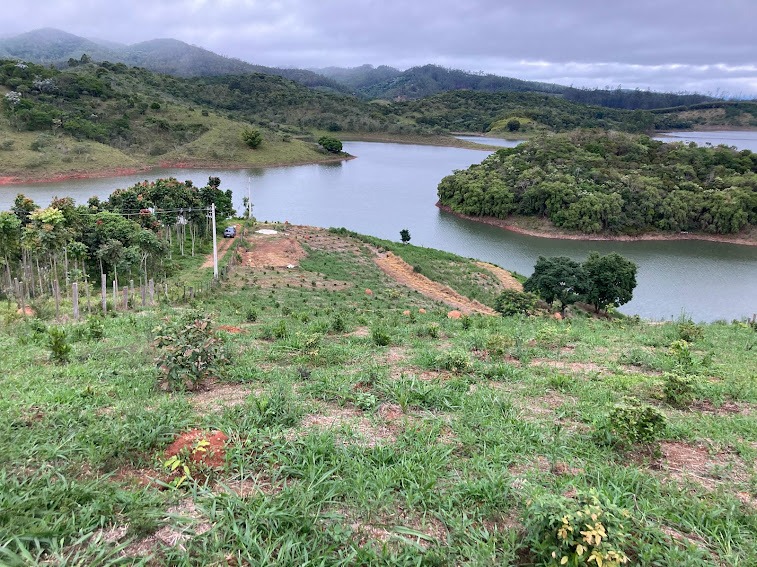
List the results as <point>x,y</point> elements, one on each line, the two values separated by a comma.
<point>402,272</point>
<point>223,246</point>
<point>505,277</point>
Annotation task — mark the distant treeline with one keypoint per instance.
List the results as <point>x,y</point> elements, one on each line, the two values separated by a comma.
<point>593,181</point>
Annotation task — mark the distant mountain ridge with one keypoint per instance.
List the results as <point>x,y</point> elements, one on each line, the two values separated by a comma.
<point>180,59</point>
<point>428,80</point>
<point>168,56</point>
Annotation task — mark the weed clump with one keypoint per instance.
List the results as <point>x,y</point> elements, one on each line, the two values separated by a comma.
<point>189,352</point>
<point>633,422</point>
<point>584,530</point>
<point>57,342</point>
<point>511,302</point>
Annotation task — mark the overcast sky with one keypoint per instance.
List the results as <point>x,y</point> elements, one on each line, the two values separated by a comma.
<point>676,45</point>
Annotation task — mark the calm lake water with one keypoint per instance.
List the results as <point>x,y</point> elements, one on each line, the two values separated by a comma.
<point>393,186</point>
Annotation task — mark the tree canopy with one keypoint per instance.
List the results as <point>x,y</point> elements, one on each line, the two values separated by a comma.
<point>595,181</point>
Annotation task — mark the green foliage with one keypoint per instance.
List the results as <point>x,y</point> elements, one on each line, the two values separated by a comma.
<point>632,421</point>
<point>405,235</point>
<point>681,353</point>
<point>380,336</point>
<point>331,145</point>
<point>513,302</point>
<point>615,183</point>
<point>585,530</point>
<point>252,137</point>
<point>678,389</point>
<point>454,361</point>
<point>60,349</point>
<point>689,331</point>
<point>250,315</point>
<point>188,352</point>
<point>557,278</point>
<point>611,279</point>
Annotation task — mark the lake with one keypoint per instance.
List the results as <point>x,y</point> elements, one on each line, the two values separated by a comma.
<point>393,186</point>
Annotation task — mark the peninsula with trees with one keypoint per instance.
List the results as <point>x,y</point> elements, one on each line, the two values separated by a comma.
<point>592,182</point>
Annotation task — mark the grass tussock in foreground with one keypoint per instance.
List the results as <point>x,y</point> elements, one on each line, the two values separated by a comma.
<point>364,428</point>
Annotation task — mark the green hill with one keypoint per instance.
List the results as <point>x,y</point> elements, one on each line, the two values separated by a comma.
<point>339,427</point>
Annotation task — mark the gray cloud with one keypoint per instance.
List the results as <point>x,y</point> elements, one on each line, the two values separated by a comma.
<point>662,44</point>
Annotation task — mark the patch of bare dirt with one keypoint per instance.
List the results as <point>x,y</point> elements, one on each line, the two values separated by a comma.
<point>185,522</point>
<point>230,329</point>
<point>577,367</point>
<point>201,447</point>
<point>360,332</point>
<point>370,431</point>
<point>402,272</point>
<point>261,483</point>
<point>505,278</point>
<point>395,354</point>
<point>726,408</point>
<point>386,527</point>
<point>683,462</point>
<point>218,396</point>
<point>273,251</point>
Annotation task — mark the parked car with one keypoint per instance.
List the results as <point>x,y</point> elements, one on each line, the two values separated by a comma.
<point>230,232</point>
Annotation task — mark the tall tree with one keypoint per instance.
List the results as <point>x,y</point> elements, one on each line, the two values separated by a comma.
<point>610,279</point>
<point>557,278</point>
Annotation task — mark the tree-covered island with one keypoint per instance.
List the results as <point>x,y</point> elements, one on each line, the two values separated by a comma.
<point>597,182</point>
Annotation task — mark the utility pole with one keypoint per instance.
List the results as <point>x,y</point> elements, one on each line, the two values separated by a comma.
<point>249,201</point>
<point>215,243</point>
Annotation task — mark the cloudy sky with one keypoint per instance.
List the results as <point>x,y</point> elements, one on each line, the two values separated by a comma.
<point>674,45</point>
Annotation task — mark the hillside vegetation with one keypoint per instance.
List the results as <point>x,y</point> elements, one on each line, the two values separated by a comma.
<point>594,181</point>
<point>356,428</point>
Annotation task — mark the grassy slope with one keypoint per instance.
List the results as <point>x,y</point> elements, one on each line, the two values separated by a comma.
<point>429,448</point>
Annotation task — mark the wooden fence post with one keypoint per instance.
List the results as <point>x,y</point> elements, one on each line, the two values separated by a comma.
<point>152,292</point>
<point>143,292</point>
<point>75,299</point>
<point>115,294</point>
<point>104,293</point>
<point>56,291</point>
<point>126,298</point>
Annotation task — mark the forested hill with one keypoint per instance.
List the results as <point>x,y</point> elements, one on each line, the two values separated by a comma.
<point>420,82</point>
<point>169,56</point>
<point>592,181</point>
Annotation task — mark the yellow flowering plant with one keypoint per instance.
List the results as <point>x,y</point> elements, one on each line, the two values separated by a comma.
<point>578,531</point>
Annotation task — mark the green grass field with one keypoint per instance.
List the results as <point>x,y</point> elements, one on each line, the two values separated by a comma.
<point>358,435</point>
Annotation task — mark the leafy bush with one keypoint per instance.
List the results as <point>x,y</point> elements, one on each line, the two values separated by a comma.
<point>252,137</point>
<point>511,302</point>
<point>331,145</point>
<point>681,353</point>
<point>455,361</point>
<point>380,336</point>
<point>60,350</point>
<point>632,421</point>
<point>584,530</point>
<point>678,389</point>
<point>337,323</point>
<point>689,331</point>
<point>189,352</point>
<point>250,315</point>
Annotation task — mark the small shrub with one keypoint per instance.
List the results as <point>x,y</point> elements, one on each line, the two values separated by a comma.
<point>584,530</point>
<point>499,345</point>
<point>511,302</point>
<point>95,328</point>
<point>681,353</point>
<point>250,315</point>
<point>188,352</point>
<point>380,336</point>
<point>338,324</point>
<point>455,361</point>
<point>678,389</point>
<point>60,350</point>
<point>689,331</point>
<point>7,145</point>
<point>632,421</point>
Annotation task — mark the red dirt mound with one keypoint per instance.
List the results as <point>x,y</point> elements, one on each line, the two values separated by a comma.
<point>212,455</point>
